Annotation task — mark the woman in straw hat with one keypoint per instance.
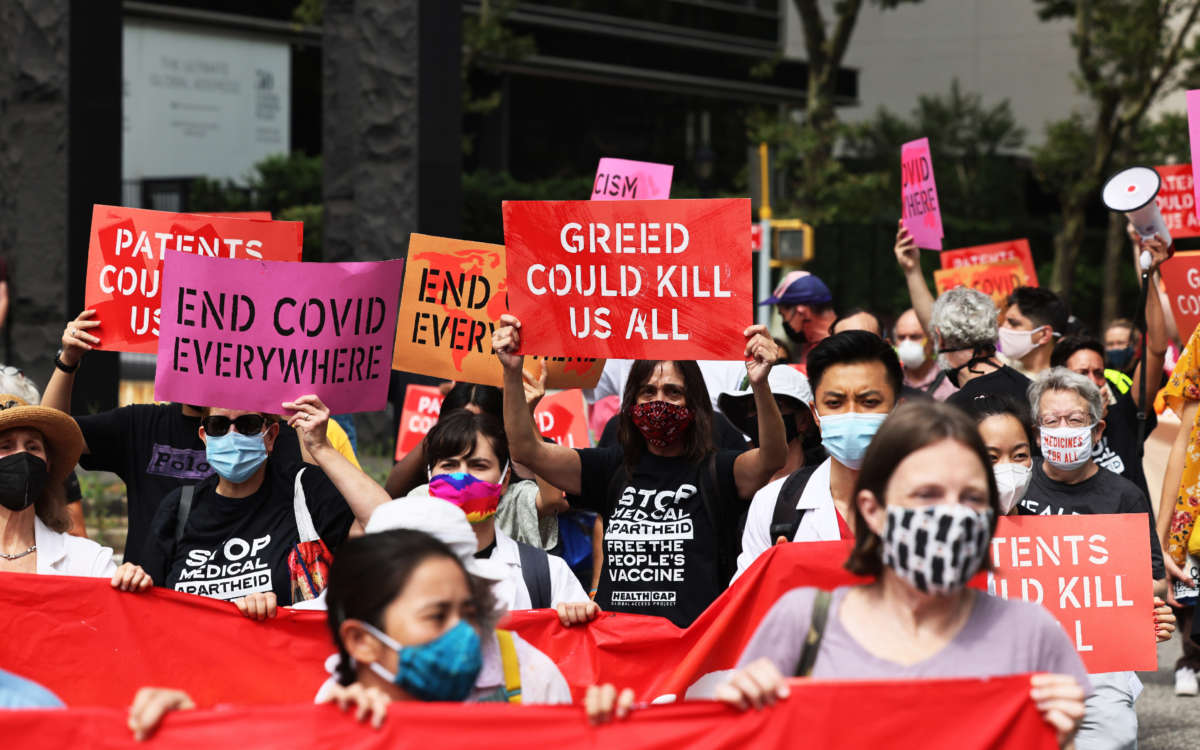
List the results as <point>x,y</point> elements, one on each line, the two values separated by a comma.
<point>38,449</point>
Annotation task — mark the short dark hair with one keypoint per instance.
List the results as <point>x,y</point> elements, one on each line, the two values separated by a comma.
<point>1042,306</point>
<point>1002,404</point>
<point>369,572</point>
<point>488,398</point>
<point>860,311</point>
<point>1068,345</point>
<point>456,432</point>
<point>698,440</point>
<point>912,426</point>
<point>851,347</point>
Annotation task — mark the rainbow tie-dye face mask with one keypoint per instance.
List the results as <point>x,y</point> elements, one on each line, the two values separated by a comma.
<point>477,498</point>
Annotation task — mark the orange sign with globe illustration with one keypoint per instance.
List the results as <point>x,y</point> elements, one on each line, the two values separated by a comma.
<point>454,294</point>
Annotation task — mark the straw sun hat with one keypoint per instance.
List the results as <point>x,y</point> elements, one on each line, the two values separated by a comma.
<point>64,441</point>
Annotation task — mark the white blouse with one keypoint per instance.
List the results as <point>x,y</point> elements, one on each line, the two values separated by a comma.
<point>67,555</point>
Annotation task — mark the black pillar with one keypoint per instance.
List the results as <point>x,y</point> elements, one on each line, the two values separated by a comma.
<point>439,118</point>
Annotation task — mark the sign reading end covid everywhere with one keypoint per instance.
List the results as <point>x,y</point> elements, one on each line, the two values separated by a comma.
<point>250,335</point>
<point>630,279</point>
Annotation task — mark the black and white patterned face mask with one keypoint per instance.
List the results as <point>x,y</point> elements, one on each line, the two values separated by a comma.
<point>937,548</point>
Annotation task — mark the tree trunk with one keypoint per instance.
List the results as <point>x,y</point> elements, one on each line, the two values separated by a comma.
<point>1066,245</point>
<point>1115,258</point>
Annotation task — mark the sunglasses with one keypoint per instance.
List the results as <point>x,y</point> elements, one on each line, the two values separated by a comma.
<point>247,424</point>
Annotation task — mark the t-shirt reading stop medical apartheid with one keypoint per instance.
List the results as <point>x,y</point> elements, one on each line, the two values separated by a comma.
<point>1103,492</point>
<point>660,547</point>
<point>232,547</point>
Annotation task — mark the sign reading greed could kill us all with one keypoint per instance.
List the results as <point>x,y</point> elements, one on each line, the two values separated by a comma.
<point>630,279</point>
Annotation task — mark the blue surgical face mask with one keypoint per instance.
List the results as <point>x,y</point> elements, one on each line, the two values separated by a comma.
<point>846,436</point>
<point>235,456</point>
<point>444,669</point>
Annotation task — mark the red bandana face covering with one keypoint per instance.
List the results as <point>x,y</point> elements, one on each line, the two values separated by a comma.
<point>661,423</point>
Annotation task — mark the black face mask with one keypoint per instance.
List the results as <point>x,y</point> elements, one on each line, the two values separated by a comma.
<point>796,337</point>
<point>789,428</point>
<point>1118,359</point>
<point>22,479</point>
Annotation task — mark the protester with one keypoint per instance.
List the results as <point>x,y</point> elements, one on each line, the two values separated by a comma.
<point>1034,319</point>
<point>663,489</point>
<point>1069,412</point>
<point>258,533</point>
<point>795,399</point>
<point>408,619</point>
<point>926,467</point>
<point>805,306</point>
<point>719,376</point>
<point>1120,345</point>
<point>856,378</point>
<point>915,350</point>
<point>1007,433</point>
<point>153,448</point>
<point>1178,508</point>
<point>468,465</point>
<point>38,449</point>
<point>858,319</point>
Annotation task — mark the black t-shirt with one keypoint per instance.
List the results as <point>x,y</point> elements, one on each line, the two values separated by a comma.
<point>660,547</point>
<point>1104,492</point>
<point>1117,448</point>
<point>1006,380</point>
<point>232,547</point>
<point>154,449</point>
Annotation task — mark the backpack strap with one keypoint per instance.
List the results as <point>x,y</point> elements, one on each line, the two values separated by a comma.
<point>304,522</point>
<point>933,386</point>
<point>187,493</point>
<point>816,631</point>
<point>785,521</point>
<point>535,569</point>
<point>511,665</point>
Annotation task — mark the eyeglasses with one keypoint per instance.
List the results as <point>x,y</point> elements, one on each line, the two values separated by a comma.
<point>1075,419</point>
<point>247,424</point>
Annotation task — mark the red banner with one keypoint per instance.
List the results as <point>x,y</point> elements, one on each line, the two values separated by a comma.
<point>562,417</point>
<point>1176,200</point>
<point>1181,276</point>
<point>636,279</point>
<point>996,713</point>
<point>94,646</point>
<point>125,255</point>
<point>994,253</point>
<point>422,404</point>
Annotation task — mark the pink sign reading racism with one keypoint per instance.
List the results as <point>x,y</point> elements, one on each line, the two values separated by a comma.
<point>1193,106</point>
<point>251,334</point>
<point>623,179</point>
<point>918,195</point>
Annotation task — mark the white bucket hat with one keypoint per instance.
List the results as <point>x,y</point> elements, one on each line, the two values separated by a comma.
<point>442,520</point>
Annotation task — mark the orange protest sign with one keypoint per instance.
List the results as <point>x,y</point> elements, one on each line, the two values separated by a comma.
<point>422,404</point>
<point>1092,573</point>
<point>454,294</point>
<point>1181,276</point>
<point>996,280</point>
<point>562,417</point>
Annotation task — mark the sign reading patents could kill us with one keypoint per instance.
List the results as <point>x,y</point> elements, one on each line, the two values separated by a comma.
<point>630,279</point>
<point>246,334</point>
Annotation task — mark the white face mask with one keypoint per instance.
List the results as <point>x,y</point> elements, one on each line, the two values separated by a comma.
<point>1067,448</point>
<point>1016,344</point>
<point>911,353</point>
<point>1011,482</point>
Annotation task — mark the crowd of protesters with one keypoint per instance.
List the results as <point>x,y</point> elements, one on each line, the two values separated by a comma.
<point>854,426</point>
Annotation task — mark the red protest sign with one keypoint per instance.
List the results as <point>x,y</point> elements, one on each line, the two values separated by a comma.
<point>1092,573</point>
<point>1177,201</point>
<point>997,280</point>
<point>422,404</point>
<point>562,417</point>
<point>630,279</point>
<point>1181,276</point>
<point>126,249</point>
<point>999,251</point>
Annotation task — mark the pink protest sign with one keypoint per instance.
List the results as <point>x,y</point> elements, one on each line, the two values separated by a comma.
<point>251,334</point>
<point>918,195</point>
<point>623,179</point>
<point>1193,105</point>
